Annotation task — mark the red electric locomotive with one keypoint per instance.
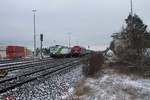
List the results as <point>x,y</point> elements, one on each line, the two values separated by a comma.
<point>78,51</point>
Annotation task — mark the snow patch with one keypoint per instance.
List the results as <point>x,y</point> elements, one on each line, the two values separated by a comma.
<point>112,86</point>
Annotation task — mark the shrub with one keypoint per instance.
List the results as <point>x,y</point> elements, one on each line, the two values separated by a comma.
<point>93,64</point>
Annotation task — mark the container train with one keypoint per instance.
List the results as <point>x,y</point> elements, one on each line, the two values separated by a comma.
<point>14,52</point>
<point>63,51</point>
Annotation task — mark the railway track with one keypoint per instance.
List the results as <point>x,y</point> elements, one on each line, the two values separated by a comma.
<point>22,65</point>
<point>39,72</point>
<point>22,62</point>
<point>15,60</point>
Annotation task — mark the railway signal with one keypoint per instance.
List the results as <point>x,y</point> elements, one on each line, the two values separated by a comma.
<point>41,39</point>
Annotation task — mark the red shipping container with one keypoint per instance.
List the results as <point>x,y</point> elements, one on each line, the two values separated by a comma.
<point>15,52</point>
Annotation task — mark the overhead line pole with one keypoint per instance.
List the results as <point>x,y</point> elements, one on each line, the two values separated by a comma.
<point>69,36</point>
<point>131,27</point>
<point>131,7</point>
<point>34,31</point>
<point>69,40</point>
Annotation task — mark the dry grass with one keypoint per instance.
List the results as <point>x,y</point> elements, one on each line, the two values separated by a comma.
<point>143,71</point>
<point>81,89</point>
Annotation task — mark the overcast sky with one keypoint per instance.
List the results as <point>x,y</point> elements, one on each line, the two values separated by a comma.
<point>90,22</point>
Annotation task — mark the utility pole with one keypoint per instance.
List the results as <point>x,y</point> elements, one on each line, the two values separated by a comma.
<point>131,27</point>
<point>54,42</point>
<point>131,8</point>
<point>88,46</point>
<point>69,36</point>
<point>34,11</point>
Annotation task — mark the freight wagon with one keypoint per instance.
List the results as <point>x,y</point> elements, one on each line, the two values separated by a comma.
<point>13,52</point>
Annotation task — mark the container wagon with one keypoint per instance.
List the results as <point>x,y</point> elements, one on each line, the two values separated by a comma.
<point>13,52</point>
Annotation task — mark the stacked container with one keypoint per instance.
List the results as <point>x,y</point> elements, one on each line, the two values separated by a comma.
<point>13,52</point>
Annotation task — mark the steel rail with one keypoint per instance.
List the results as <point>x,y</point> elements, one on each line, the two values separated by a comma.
<point>33,72</point>
<point>16,60</point>
<point>17,63</point>
<point>9,66</point>
<point>25,65</point>
<point>49,71</point>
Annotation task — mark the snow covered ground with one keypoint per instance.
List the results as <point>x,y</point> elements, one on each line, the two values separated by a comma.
<point>112,86</point>
<point>52,88</point>
<point>72,85</point>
